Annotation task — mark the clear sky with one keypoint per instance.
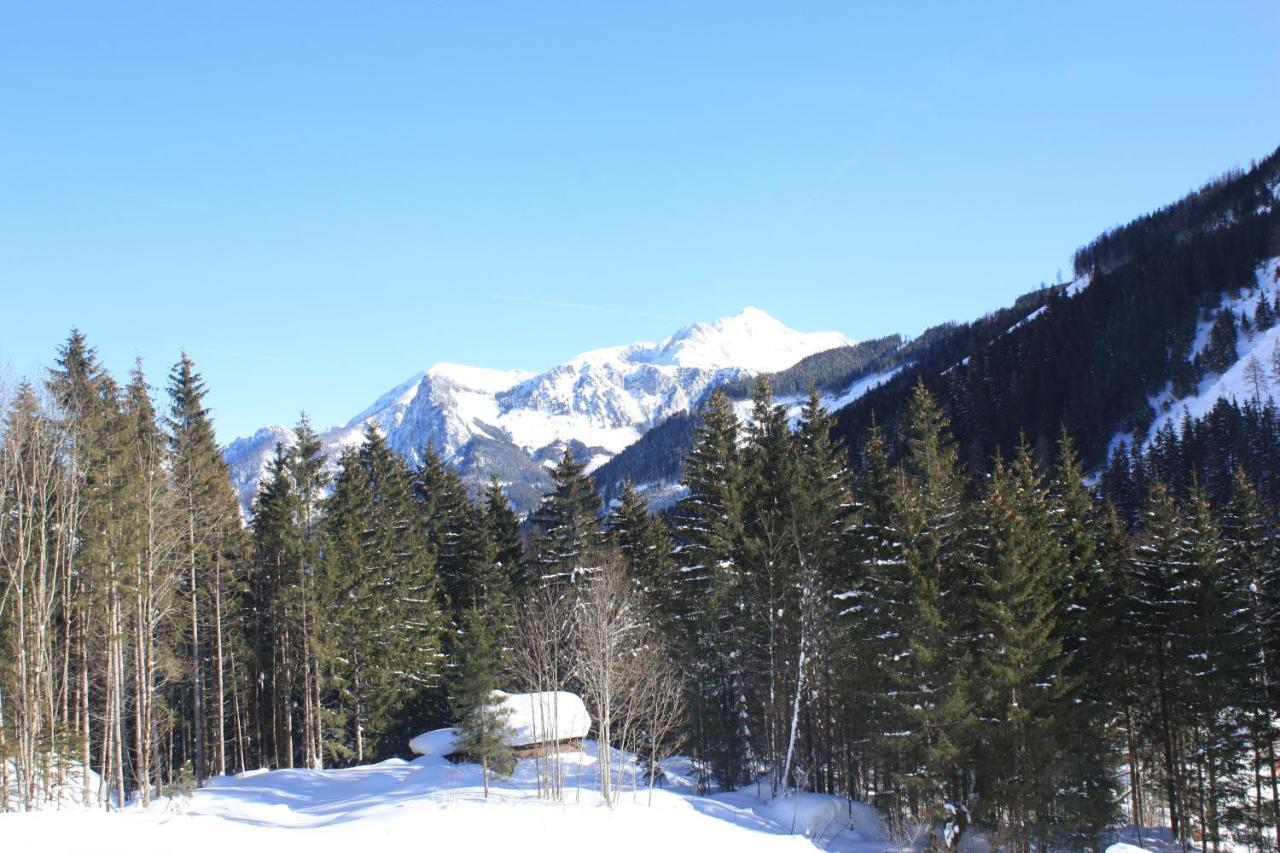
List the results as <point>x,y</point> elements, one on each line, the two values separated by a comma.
<point>318,199</point>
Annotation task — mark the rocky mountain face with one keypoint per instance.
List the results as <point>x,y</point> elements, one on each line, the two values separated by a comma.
<point>515,424</point>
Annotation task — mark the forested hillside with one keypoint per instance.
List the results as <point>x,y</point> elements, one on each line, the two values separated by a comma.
<point>1107,344</point>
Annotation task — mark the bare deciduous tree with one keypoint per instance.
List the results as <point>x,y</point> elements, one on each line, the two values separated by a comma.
<point>540,662</point>
<point>627,677</point>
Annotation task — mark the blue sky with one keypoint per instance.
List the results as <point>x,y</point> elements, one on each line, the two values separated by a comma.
<point>317,199</point>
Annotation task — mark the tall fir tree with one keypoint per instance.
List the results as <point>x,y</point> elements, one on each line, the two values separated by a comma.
<point>213,550</point>
<point>567,536</point>
<point>382,583</point>
<point>708,528</point>
<point>1018,681</point>
<point>1085,590</point>
<point>645,546</point>
<point>929,684</point>
<point>480,716</point>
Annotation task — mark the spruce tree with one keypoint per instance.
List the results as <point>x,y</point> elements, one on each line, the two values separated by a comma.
<point>875,608</point>
<point>1085,592</point>
<point>767,629</point>
<point>478,712</point>
<point>708,528</point>
<point>504,531</point>
<point>566,526</point>
<point>212,549</point>
<point>1220,351</point>
<point>1157,620</point>
<point>1253,569</point>
<point>820,521</point>
<point>645,546</point>
<point>381,577</point>
<point>1019,683</point>
<point>450,523</point>
<point>930,684</point>
<point>1214,656</point>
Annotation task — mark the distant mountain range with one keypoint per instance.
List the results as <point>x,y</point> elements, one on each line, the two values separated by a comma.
<point>516,424</point>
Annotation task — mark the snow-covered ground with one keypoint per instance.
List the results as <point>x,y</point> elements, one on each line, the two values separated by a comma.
<point>430,804</point>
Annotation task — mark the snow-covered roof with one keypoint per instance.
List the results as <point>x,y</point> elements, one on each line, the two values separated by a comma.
<point>547,716</point>
<point>531,718</point>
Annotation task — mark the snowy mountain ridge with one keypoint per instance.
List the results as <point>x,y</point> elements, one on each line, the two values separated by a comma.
<point>516,423</point>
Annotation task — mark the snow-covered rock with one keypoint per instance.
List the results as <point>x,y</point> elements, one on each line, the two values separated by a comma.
<point>437,743</point>
<point>516,424</point>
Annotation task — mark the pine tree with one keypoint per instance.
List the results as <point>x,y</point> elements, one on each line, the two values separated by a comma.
<point>212,550</point>
<point>645,546</point>
<point>930,684</point>
<point>1220,351</point>
<point>382,585</point>
<point>504,531</point>
<point>708,528</point>
<point>480,716</point>
<point>1085,588</point>
<point>1018,681</point>
<point>566,526</point>
<point>1253,569</point>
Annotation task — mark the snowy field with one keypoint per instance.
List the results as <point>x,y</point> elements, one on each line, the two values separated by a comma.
<point>430,804</point>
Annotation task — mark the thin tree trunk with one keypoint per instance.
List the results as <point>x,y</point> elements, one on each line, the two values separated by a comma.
<point>197,685</point>
<point>220,707</point>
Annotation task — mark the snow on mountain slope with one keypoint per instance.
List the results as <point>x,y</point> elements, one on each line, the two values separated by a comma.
<point>516,424</point>
<point>832,402</point>
<point>1261,348</point>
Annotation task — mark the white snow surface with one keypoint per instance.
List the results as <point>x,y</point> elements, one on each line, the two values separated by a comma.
<point>429,803</point>
<point>605,399</point>
<point>437,743</point>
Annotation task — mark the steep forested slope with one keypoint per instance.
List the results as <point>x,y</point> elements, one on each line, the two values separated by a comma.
<point>1103,346</point>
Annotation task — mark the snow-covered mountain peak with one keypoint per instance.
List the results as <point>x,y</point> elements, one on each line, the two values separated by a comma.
<point>751,340</point>
<point>484,379</point>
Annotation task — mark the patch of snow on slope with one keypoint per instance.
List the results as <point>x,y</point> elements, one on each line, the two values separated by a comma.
<point>1076,287</point>
<point>795,403</point>
<point>1232,384</point>
<point>1027,319</point>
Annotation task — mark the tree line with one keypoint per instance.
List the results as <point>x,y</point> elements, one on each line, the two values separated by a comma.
<point>1008,649</point>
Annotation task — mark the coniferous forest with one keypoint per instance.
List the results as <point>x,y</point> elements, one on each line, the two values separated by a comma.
<point>1018,647</point>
